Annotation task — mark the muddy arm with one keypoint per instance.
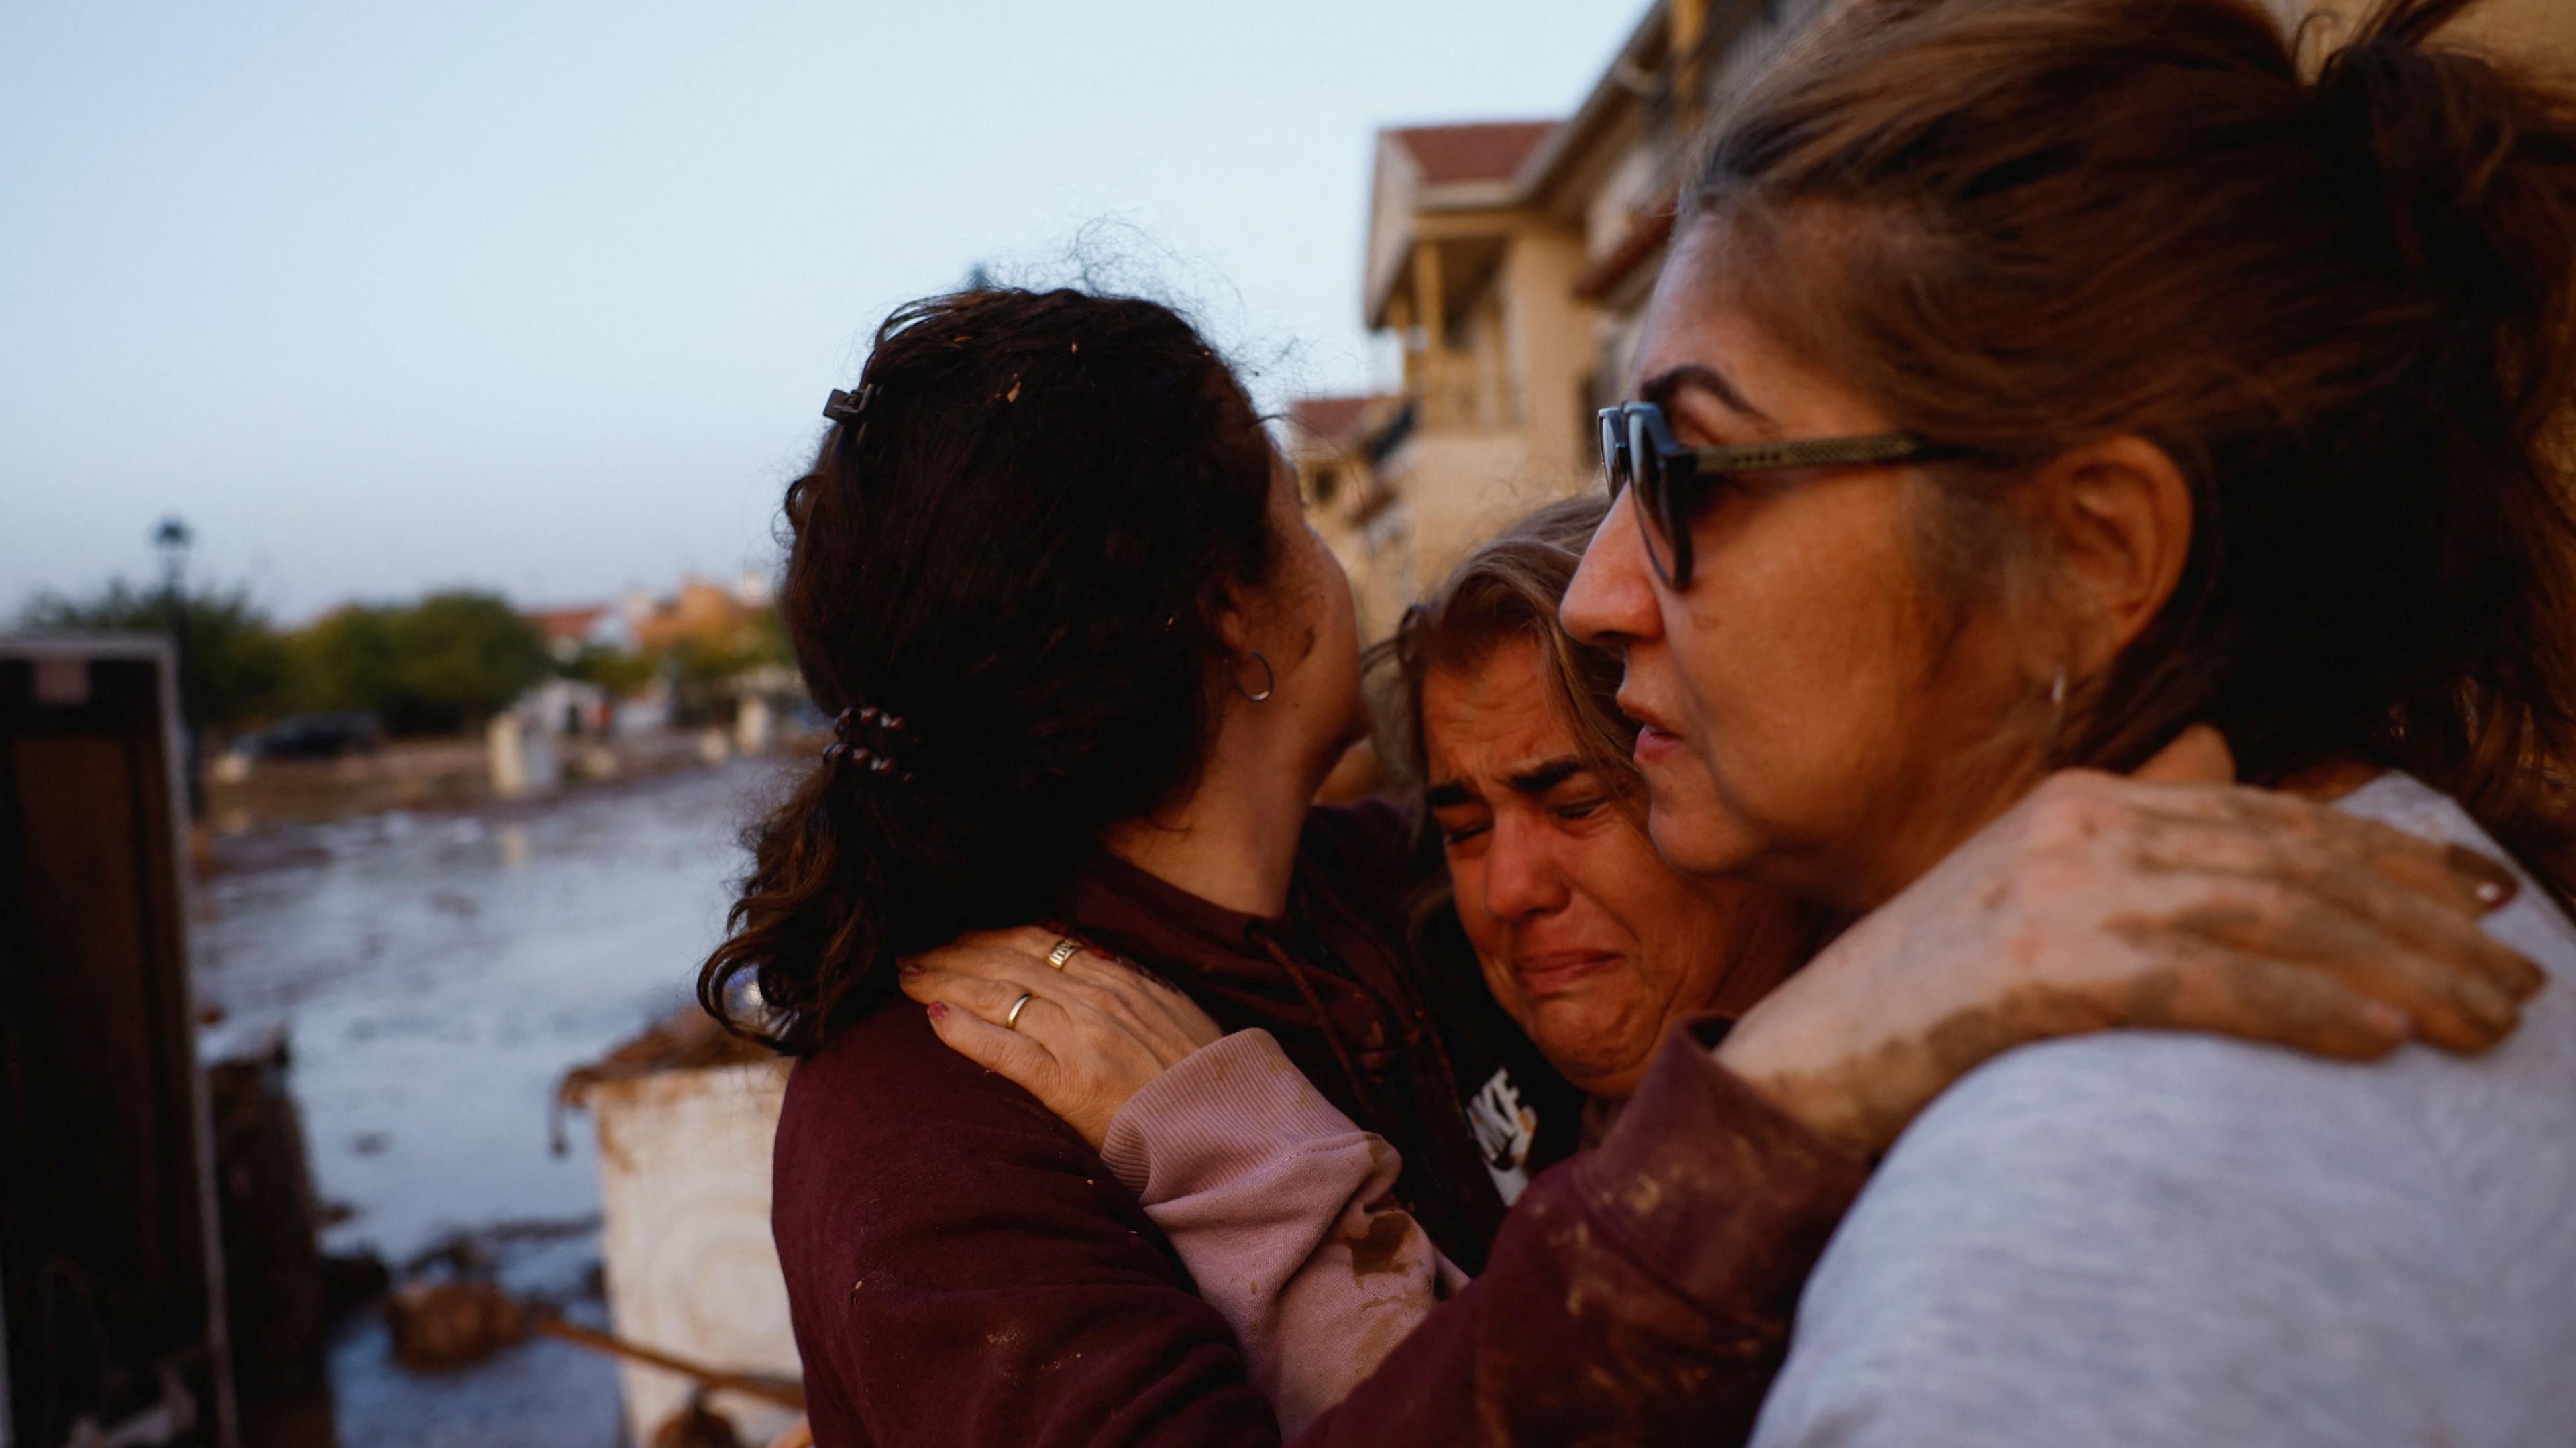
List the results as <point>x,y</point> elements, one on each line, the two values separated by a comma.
<point>1281,1209</point>
<point>1640,1293</point>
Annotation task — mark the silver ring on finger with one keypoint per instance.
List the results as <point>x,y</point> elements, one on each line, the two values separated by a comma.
<point>1011,1022</point>
<point>1064,952</point>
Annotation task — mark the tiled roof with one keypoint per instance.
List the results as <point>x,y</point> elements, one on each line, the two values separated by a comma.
<point>566,623</point>
<point>1490,151</point>
<point>1328,419</point>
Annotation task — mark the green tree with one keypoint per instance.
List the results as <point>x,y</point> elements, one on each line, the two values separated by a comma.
<point>437,666</point>
<point>234,667</point>
<point>463,656</point>
<point>345,660</point>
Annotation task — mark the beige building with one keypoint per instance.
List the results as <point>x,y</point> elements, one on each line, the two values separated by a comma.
<point>1511,261</point>
<point>1333,443</point>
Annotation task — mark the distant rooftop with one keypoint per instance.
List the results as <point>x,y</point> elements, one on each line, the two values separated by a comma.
<point>1332,420</point>
<point>1486,151</point>
<point>566,623</point>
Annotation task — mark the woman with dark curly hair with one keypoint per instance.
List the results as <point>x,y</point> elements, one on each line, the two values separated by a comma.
<point>1089,667</point>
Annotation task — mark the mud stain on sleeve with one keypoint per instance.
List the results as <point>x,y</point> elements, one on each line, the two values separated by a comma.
<point>1380,1249</point>
<point>1376,1339</point>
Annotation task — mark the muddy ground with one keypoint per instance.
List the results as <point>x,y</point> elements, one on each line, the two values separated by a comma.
<point>435,974</point>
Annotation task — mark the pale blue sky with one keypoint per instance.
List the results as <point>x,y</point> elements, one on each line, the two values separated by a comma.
<point>544,295</point>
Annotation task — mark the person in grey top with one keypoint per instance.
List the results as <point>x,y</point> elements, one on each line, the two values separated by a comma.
<point>2036,387</point>
<point>2164,1239</point>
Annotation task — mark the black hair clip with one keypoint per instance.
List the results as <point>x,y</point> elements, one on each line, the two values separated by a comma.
<point>877,755</point>
<point>849,406</point>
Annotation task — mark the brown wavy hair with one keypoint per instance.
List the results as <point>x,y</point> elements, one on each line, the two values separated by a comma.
<point>2342,296</point>
<point>1019,549</point>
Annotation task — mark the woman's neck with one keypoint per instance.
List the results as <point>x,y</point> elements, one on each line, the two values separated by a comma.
<point>1232,841</point>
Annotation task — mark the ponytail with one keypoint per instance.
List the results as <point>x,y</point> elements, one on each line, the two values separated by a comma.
<point>2473,171</point>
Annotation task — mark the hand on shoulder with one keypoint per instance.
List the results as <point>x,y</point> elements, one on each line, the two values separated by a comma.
<point>1078,1029</point>
<point>2172,899</point>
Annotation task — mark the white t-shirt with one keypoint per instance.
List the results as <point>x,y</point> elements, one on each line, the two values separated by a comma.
<point>2147,1238</point>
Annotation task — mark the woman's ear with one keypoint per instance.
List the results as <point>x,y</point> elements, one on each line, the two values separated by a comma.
<point>2119,513</point>
<point>1234,623</point>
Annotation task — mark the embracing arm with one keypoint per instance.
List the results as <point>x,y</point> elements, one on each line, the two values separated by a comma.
<point>1638,1293</point>
<point>961,1270</point>
<point>1280,1206</point>
<point>1641,1292</point>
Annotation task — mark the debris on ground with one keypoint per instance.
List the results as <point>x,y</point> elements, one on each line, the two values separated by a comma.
<point>687,1039</point>
<point>438,1325</point>
<point>696,1426</point>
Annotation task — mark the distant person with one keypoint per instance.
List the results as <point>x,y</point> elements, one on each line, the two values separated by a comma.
<point>2142,379</point>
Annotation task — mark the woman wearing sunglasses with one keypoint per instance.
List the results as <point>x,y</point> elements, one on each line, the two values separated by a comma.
<point>2161,381</point>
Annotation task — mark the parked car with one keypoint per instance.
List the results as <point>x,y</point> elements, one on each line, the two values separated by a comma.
<point>318,736</point>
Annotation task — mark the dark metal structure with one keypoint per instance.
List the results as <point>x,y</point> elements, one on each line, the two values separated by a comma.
<point>111,1280</point>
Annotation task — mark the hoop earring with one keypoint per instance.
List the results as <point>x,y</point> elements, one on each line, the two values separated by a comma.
<point>1269,681</point>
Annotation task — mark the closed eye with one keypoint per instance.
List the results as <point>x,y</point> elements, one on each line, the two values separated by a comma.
<point>1453,838</point>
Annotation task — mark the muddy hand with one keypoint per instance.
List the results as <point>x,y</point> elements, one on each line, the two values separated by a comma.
<point>2171,900</point>
<point>1092,1033</point>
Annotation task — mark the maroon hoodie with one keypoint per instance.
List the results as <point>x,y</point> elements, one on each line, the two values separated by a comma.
<point>962,1269</point>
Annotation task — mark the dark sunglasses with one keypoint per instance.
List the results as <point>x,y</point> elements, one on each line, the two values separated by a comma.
<point>1673,481</point>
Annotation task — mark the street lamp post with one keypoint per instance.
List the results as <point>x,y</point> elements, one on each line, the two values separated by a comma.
<point>171,539</point>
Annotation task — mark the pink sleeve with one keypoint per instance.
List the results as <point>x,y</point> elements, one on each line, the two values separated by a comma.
<point>1278,1205</point>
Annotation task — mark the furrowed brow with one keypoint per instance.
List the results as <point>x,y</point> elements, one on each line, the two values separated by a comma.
<point>1447,794</point>
<point>1538,779</point>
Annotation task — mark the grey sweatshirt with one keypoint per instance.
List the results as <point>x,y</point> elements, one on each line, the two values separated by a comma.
<point>2153,1239</point>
